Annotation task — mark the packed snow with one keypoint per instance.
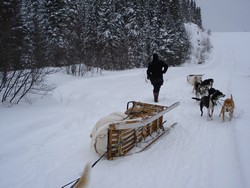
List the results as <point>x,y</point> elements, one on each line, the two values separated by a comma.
<point>47,144</point>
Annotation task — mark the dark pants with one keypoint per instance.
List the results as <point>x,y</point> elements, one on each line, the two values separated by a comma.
<point>157,88</point>
<point>157,82</point>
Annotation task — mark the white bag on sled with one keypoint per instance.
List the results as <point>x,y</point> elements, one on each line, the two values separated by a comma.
<point>99,134</point>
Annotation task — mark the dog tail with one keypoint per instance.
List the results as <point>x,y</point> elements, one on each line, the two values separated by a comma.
<point>232,101</point>
<point>84,180</point>
<point>198,99</point>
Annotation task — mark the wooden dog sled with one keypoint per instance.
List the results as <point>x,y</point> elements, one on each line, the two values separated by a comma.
<point>141,127</point>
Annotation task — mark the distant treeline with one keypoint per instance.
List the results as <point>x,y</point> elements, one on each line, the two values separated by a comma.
<point>81,34</point>
<point>110,34</point>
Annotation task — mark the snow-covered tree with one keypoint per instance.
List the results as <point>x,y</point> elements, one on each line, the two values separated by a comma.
<point>11,35</point>
<point>110,34</point>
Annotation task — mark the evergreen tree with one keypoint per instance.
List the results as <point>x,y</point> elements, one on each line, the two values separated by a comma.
<point>23,73</point>
<point>165,27</point>
<point>150,28</point>
<point>76,52</point>
<point>90,34</point>
<point>74,36</point>
<point>107,39</point>
<point>132,28</point>
<point>179,45</point>
<point>110,34</point>
<point>34,51</point>
<point>198,19</point>
<point>11,35</point>
<point>56,28</point>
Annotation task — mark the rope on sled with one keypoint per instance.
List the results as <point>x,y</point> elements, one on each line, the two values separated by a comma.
<point>99,159</point>
<point>76,180</point>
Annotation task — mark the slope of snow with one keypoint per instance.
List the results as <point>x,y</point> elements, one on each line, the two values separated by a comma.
<point>200,43</point>
<point>47,144</point>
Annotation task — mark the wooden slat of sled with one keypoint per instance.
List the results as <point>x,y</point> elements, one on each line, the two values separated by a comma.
<point>123,141</point>
<point>127,148</point>
<point>120,149</point>
<point>125,133</point>
<point>120,142</point>
<point>126,138</point>
<point>115,152</point>
<point>128,143</point>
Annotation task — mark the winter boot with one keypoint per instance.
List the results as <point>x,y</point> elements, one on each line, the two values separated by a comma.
<point>156,97</point>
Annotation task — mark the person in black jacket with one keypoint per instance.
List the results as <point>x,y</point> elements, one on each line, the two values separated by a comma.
<point>155,72</point>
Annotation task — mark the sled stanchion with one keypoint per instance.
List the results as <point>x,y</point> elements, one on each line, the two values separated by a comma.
<point>109,144</point>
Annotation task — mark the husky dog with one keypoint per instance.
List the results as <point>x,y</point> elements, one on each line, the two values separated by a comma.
<point>201,88</point>
<point>83,181</point>
<point>193,78</point>
<point>209,102</point>
<point>211,91</point>
<point>228,106</point>
<point>208,82</point>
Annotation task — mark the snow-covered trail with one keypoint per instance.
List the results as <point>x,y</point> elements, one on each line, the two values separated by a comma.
<point>197,153</point>
<point>192,155</point>
<point>47,144</point>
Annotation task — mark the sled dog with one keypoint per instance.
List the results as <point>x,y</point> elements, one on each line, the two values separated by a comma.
<point>228,106</point>
<point>84,179</point>
<point>211,91</point>
<point>209,102</point>
<point>201,88</point>
<point>193,78</point>
<point>208,82</point>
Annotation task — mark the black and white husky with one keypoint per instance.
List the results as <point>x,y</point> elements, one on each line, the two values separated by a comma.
<point>209,102</point>
<point>201,88</point>
<point>208,82</point>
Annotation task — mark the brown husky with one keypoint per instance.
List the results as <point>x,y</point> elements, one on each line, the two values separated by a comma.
<point>228,106</point>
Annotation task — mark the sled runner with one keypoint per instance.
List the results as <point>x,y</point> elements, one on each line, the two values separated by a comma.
<point>132,132</point>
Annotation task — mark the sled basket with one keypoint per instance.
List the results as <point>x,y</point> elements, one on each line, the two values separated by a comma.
<point>143,122</point>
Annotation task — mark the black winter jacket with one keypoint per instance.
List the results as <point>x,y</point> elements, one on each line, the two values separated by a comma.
<point>155,71</point>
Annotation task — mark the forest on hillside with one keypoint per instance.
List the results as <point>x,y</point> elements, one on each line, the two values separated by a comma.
<point>82,34</point>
